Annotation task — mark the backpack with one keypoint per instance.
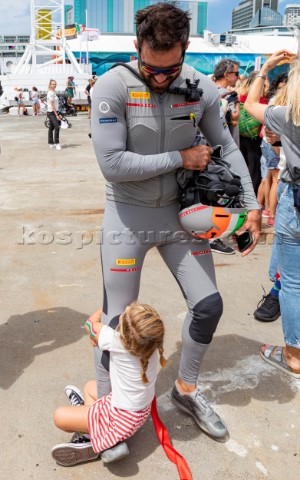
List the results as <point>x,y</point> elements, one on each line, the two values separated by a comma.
<point>248,126</point>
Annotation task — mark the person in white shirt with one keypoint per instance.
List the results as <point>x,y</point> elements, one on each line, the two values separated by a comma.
<point>52,114</point>
<point>133,360</point>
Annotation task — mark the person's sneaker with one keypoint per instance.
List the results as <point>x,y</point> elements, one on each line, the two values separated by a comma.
<point>115,453</point>
<point>218,246</point>
<point>72,453</point>
<point>74,395</point>
<point>58,147</point>
<point>270,222</point>
<point>196,405</point>
<point>268,309</point>
<point>52,145</point>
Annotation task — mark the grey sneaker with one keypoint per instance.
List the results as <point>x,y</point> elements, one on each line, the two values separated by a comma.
<point>74,395</point>
<point>72,453</point>
<point>115,453</point>
<point>196,405</point>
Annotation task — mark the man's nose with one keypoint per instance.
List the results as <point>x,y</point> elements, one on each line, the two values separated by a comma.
<point>160,78</point>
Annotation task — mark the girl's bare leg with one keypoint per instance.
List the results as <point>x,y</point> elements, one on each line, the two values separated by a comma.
<point>72,419</point>
<point>90,392</point>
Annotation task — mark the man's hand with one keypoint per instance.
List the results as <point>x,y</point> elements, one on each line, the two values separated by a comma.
<point>253,224</point>
<point>271,137</point>
<point>196,158</point>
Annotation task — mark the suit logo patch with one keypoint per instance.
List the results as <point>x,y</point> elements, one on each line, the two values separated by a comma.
<point>108,120</point>
<point>145,95</point>
<point>104,107</point>
<point>146,105</point>
<point>202,252</point>
<point>185,104</point>
<point>125,261</point>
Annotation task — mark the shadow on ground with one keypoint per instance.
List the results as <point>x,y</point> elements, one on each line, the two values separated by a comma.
<point>23,337</point>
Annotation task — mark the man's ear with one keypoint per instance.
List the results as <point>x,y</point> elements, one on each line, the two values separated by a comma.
<point>136,44</point>
<point>187,44</point>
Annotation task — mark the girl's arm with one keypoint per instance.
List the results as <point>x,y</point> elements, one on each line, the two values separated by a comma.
<point>94,326</point>
<point>252,105</point>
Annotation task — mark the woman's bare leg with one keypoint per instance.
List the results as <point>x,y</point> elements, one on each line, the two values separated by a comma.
<point>273,192</point>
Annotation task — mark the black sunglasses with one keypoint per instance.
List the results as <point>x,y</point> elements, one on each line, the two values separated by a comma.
<point>165,71</point>
<point>237,74</point>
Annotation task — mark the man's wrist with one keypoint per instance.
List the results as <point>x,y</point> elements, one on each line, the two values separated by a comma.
<point>254,212</point>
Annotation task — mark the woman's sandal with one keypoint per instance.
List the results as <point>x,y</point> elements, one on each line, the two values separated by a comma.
<point>274,356</point>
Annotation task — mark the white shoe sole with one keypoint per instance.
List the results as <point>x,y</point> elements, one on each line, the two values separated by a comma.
<point>68,455</point>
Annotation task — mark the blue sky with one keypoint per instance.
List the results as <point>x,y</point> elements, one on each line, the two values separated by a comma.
<point>14,15</point>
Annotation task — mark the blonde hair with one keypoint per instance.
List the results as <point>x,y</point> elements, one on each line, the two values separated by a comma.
<point>280,98</point>
<point>293,94</point>
<point>245,85</point>
<point>141,333</point>
<point>52,80</point>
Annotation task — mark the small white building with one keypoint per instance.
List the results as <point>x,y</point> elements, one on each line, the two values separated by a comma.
<point>292,14</point>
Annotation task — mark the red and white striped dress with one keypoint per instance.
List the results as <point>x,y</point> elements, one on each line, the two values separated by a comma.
<point>109,425</point>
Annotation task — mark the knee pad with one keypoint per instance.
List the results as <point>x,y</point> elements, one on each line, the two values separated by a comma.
<point>205,318</point>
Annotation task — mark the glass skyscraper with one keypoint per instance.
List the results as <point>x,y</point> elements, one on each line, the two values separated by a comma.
<point>117,16</point>
<point>79,11</point>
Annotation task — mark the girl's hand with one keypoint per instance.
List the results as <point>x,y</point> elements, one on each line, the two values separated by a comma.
<point>94,330</point>
<point>282,56</point>
<point>93,326</point>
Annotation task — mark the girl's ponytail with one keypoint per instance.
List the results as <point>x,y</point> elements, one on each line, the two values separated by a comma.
<point>144,363</point>
<point>163,362</point>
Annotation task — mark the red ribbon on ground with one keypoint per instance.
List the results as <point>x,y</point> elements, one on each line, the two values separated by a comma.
<point>172,454</point>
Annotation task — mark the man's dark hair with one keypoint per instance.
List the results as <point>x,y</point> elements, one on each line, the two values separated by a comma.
<point>223,66</point>
<point>162,25</point>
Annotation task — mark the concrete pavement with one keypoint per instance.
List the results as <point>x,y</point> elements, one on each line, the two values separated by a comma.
<point>51,208</point>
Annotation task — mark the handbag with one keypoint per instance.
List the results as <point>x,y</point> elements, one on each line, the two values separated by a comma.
<point>64,124</point>
<point>248,126</point>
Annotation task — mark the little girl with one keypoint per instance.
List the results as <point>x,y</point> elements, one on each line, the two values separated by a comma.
<point>133,364</point>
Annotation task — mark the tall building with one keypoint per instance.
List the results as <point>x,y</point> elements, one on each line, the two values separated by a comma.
<point>246,10</point>
<point>118,16</point>
<point>69,14</point>
<point>80,11</point>
<point>292,14</point>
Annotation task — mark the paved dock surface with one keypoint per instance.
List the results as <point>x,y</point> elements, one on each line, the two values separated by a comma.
<point>51,210</point>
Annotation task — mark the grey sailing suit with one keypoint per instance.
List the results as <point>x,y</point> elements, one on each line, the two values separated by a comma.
<point>137,135</point>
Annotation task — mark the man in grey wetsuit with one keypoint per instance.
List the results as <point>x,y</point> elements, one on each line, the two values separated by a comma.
<point>142,134</point>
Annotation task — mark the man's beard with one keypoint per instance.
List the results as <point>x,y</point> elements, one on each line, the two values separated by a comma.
<point>156,88</point>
